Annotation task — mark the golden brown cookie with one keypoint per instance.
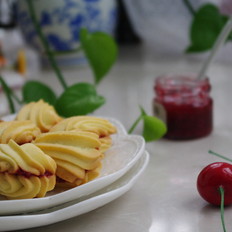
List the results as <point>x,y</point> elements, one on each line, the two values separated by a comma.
<point>76,154</point>
<point>40,113</point>
<point>20,131</point>
<point>102,127</point>
<point>25,171</point>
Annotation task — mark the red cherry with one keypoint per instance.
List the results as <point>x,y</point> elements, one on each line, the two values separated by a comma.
<point>211,178</point>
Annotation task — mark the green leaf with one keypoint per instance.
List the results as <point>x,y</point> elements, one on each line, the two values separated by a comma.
<point>100,50</point>
<point>153,128</point>
<point>79,99</point>
<point>35,90</point>
<point>206,26</point>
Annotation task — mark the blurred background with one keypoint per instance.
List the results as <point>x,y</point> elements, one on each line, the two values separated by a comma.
<point>160,28</point>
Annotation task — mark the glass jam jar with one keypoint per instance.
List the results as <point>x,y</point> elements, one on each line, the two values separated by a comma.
<point>184,104</point>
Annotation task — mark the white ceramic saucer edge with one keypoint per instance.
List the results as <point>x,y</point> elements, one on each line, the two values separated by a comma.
<point>8,207</point>
<point>120,187</point>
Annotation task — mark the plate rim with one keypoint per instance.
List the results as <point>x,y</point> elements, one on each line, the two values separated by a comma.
<point>25,205</point>
<point>55,216</point>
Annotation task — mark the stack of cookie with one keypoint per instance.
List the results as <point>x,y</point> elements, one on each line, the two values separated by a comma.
<point>40,149</point>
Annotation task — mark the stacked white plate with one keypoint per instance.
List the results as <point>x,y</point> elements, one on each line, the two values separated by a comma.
<point>123,163</point>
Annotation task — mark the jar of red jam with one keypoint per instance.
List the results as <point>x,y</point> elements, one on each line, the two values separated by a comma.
<point>183,102</point>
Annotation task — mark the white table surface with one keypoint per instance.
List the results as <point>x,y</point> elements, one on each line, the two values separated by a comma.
<point>165,198</point>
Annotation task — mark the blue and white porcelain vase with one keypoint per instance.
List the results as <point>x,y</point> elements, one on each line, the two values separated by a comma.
<point>61,21</point>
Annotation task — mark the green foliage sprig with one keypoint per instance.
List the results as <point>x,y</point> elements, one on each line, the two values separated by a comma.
<point>206,26</point>
<point>153,128</point>
<point>82,98</point>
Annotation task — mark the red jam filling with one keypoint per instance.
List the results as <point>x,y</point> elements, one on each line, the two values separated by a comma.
<point>26,174</point>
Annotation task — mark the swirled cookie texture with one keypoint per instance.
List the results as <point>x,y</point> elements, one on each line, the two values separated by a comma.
<point>41,113</point>
<point>20,131</point>
<point>25,171</point>
<point>76,154</point>
<point>102,127</point>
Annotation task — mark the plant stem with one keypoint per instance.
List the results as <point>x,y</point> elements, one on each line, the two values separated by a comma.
<point>222,208</point>
<point>7,91</point>
<point>16,97</point>
<point>45,44</point>
<point>221,156</point>
<point>135,123</point>
<point>189,7</point>
<point>60,53</point>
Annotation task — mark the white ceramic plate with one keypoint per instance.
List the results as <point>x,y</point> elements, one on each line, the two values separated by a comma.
<point>124,153</point>
<point>77,207</point>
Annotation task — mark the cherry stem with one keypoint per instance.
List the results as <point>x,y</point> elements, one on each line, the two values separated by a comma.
<point>222,207</point>
<point>221,156</point>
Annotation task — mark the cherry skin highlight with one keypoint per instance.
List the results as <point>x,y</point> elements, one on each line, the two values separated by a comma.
<point>211,178</point>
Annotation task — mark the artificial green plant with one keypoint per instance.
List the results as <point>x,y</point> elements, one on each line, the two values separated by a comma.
<point>82,98</point>
<point>207,23</point>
